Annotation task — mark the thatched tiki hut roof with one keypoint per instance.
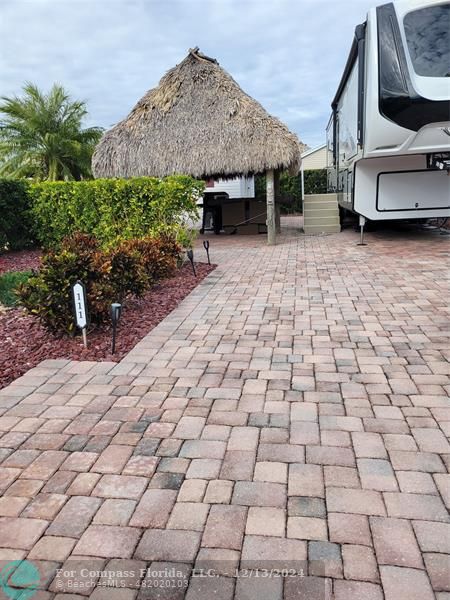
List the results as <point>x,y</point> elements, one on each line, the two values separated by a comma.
<point>199,122</point>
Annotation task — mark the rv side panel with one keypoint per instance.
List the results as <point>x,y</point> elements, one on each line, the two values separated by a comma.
<point>400,188</point>
<point>238,187</point>
<point>346,115</point>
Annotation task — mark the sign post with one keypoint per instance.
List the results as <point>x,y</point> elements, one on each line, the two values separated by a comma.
<point>80,308</point>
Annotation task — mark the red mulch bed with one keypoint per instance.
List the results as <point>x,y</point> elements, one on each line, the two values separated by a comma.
<point>22,260</point>
<point>24,342</point>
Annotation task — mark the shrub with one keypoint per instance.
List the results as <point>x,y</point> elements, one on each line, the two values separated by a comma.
<point>47,293</point>
<point>80,243</point>
<point>113,210</point>
<point>291,188</point>
<point>9,282</point>
<point>125,272</point>
<point>15,222</point>
<point>316,181</point>
<point>109,276</point>
<point>159,255</point>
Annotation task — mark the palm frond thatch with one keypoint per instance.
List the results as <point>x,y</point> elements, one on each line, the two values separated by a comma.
<point>199,122</point>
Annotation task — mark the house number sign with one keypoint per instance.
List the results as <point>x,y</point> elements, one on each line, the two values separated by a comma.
<point>80,308</point>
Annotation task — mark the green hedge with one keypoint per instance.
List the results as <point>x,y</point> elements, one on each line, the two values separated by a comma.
<point>316,181</point>
<point>114,209</point>
<point>15,225</point>
<point>291,188</point>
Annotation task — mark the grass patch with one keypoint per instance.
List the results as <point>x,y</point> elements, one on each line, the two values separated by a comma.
<point>9,283</point>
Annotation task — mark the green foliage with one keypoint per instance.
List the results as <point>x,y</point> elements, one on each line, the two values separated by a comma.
<point>291,193</point>
<point>9,282</point>
<point>125,271</point>
<point>115,209</point>
<point>291,188</point>
<point>109,276</point>
<point>316,181</point>
<point>15,224</point>
<point>260,186</point>
<point>157,256</point>
<point>47,293</point>
<point>41,136</point>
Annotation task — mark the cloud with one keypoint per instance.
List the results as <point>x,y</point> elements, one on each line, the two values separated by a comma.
<point>288,54</point>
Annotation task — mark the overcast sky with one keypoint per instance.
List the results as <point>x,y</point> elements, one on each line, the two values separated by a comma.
<point>288,54</point>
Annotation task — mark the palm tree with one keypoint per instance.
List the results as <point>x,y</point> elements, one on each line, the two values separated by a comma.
<point>41,136</point>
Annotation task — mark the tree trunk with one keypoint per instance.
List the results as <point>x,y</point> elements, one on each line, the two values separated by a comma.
<point>52,170</point>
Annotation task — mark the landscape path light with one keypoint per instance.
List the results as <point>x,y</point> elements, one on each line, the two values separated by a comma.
<point>190,255</point>
<point>206,247</point>
<point>116,311</point>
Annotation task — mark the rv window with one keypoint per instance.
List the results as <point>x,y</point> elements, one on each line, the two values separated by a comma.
<point>428,35</point>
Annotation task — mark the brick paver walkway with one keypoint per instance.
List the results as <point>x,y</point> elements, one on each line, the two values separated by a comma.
<point>292,413</point>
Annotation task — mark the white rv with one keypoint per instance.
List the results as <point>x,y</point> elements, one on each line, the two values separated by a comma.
<point>388,138</point>
<point>230,206</point>
<point>237,187</point>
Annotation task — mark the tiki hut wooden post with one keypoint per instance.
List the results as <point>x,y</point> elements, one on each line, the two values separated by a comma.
<point>277,202</point>
<point>199,122</point>
<point>270,199</point>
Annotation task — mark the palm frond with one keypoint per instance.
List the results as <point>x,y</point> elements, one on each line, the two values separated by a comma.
<point>42,134</point>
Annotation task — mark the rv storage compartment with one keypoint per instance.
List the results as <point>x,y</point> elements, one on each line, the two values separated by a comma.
<point>409,190</point>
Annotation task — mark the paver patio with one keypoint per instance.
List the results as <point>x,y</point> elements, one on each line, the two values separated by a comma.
<point>293,412</point>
